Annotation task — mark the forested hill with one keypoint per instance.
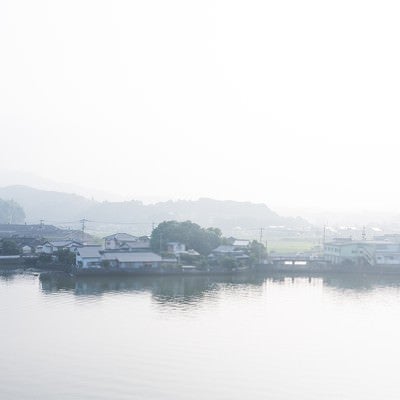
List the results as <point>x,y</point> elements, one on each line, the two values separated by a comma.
<point>59,207</point>
<point>47,205</point>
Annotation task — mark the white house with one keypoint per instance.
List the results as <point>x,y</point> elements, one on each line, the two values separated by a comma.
<point>51,247</point>
<point>228,251</point>
<point>176,248</point>
<point>88,257</point>
<point>26,249</point>
<point>45,248</point>
<point>126,242</point>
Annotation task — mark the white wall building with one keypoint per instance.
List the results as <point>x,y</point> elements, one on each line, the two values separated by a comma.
<point>132,260</point>
<point>88,257</point>
<point>365,252</point>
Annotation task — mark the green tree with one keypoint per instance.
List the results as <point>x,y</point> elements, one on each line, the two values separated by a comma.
<point>229,263</point>
<point>9,247</point>
<point>189,259</point>
<point>258,252</point>
<point>217,231</point>
<point>65,257</point>
<point>44,259</point>
<point>192,235</point>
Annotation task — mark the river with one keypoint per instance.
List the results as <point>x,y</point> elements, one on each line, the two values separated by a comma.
<point>257,337</point>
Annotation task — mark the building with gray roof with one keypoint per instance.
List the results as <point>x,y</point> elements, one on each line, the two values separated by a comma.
<point>133,260</point>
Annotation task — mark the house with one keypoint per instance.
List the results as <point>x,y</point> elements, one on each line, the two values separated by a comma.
<point>223,251</point>
<point>56,245</point>
<point>26,249</point>
<point>176,247</point>
<point>241,244</point>
<point>132,260</point>
<point>45,248</point>
<point>88,257</point>
<point>179,251</point>
<point>126,242</point>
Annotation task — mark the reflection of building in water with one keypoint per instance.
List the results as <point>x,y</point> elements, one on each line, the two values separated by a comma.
<point>165,290</point>
<point>191,291</point>
<point>360,282</point>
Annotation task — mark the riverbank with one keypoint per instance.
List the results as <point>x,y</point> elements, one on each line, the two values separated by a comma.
<point>320,269</point>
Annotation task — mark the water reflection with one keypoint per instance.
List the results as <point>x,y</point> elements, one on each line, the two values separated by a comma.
<point>11,275</point>
<point>163,289</point>
<point>274,336</point>
<point>361,283</point>
<point>191,289</point>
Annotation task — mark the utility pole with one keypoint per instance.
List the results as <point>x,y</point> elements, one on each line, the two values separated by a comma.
<point>160,242</point>
<point>261,234</point>
<point>41,223</point>
<point>83,221</point>
<point>10,221</point>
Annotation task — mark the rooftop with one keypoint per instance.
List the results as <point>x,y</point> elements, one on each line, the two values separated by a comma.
<point>89,251</point>
<point>241,242</point>
<point>123,237</point>
<point>223,248</point>
<point>63,243</point>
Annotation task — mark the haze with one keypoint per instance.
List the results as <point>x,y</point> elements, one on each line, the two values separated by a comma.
<point>283,102</point>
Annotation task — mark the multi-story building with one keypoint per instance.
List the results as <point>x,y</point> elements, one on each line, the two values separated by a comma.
<point>362,252</point>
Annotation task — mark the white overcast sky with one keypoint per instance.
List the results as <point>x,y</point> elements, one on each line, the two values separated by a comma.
<point>284,102</point>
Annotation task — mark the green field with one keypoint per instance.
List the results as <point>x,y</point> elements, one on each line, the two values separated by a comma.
<point>291,245</point>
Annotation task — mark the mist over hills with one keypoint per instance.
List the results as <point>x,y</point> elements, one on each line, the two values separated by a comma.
<point>49,205</point>
<point>58,207</point>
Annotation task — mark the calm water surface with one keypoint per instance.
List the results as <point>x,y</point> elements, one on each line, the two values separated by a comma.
<point>200,338</point>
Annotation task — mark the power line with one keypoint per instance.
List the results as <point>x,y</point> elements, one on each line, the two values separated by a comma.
<point>62,222</point>
<point>83,221</point>
<point>120,223</point>
<point>100,222</point>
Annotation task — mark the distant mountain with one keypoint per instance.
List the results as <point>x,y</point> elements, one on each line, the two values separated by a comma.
<point>42,204</point>
<point>57,207</point>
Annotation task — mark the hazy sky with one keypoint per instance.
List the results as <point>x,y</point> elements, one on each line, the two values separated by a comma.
<point>283,102</point>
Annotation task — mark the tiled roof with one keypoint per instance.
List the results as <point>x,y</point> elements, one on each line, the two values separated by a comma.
<point>123,237</point>
<point>89,251</point>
